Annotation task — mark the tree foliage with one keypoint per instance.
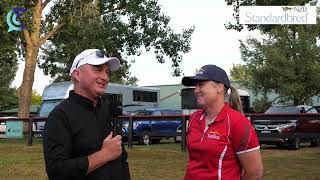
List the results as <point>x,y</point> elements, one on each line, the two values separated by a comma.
<point>8,98</point>
<point>240,72</point>
<point>8,67</point>
<point>124,27</point>
<point>36,98</point>
<point>287,62</point>
<point>260,105</point>
<point>121,27</point>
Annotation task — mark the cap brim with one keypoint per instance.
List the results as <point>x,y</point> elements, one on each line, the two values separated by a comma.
<point>192,80</point>
<point>113,62</point>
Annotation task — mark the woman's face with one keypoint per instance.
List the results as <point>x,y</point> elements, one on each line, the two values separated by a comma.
<point>207,92</point>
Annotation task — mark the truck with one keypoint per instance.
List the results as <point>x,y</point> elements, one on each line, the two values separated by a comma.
<point>288,126</point>
<point>148,129</point>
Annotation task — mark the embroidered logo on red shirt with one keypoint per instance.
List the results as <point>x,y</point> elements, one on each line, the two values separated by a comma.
<point>214,135</point>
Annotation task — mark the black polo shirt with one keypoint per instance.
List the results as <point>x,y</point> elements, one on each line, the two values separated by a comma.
<point>74,130</point>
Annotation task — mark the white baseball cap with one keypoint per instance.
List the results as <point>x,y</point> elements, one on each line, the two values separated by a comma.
<point>94,57</point>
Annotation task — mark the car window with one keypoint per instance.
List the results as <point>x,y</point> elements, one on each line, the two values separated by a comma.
<point>282,109</point>
<point>171,112</point>
<point>48,106</point>
<point>156,113</point>
<point>142,112</point>
<point>312,110</point>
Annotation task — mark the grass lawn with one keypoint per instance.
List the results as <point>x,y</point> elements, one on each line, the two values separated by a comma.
<point>161,161</point>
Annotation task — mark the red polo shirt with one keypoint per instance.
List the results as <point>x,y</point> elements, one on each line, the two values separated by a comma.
<point>213,152</point>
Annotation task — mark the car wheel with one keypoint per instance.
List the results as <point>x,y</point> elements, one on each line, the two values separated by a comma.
<point>260,144</point>
<point>178,139</point>
<point>295,144</point>
<point>280,145</point>
<point>145,138</point>
<point>315,142</point>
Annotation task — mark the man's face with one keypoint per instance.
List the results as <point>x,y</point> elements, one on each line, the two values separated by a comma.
<point>93,79</point>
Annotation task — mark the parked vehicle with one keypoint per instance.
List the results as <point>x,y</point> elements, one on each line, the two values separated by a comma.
<point>2,128</point>
<point>289,128</point>
<point>153,130</point>
<point>178,139</point>
<point>131,98</point>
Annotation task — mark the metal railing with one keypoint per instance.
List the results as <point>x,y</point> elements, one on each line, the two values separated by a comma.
<point>117,128</point>
<point>30,122</point>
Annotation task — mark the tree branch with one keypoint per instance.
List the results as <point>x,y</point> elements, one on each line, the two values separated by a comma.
<point>112,10</point>
<point>27,36</point>
<point>45,3</point>
<point>315,93</point>
<point>51,33</point>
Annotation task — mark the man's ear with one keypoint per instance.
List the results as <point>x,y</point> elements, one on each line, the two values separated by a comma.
<point>76,75</point>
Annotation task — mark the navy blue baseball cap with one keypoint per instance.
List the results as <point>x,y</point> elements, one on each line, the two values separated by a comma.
<point>208,73</point>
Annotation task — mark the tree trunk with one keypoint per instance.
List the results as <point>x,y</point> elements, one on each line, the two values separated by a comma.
<point>27,82</point>
<point>33,42</point>
<point>26,86</point>
<point>32,48</point>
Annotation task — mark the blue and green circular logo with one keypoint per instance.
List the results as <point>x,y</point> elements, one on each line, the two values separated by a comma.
<point>13,23</point>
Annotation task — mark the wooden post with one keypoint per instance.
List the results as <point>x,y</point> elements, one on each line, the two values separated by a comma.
<point>183,135</point>
<point>130,129</point>
<point>30,131</point>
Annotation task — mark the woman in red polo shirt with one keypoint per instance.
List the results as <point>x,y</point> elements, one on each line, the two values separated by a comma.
<point>222,143</point>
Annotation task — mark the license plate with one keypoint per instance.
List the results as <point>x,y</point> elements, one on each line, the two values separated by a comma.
<point>265,131</point>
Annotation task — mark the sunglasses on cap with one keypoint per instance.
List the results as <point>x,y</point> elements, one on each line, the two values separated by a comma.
<point>98,53</point>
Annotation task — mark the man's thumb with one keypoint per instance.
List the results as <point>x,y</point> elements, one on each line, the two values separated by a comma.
<point>109,136</point>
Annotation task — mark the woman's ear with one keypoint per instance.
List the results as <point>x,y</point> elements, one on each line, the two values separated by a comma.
<point>221,88</point>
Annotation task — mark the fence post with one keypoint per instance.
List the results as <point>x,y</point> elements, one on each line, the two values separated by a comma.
<point>30,131</point>
<point>130,129</point>
<point>183,135</point>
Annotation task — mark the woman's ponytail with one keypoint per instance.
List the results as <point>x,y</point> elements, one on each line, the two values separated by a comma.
<point>234,100</point>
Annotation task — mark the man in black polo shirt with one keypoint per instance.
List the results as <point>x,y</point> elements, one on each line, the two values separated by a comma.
<point>78,142</point>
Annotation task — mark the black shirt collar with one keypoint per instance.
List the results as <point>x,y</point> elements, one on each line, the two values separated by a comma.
<point>82,100</point>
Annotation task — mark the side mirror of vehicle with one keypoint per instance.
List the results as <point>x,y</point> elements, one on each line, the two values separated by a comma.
<point>302,110</point>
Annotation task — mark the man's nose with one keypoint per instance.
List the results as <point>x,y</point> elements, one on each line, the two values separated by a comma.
<point>104,76</point>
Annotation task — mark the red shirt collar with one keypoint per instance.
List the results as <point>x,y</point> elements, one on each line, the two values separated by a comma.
<point>222,114</point>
